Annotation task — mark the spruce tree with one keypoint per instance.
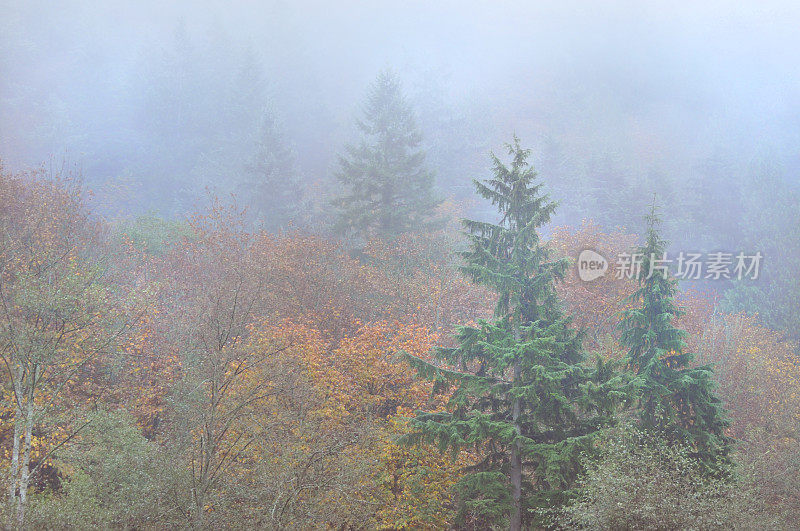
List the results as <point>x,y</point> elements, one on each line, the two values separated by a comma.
<point>271,188</point>
<point>388,189</point>
<point>677,401</point>
<point>522,396</point>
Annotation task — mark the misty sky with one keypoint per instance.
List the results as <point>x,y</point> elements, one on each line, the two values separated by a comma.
<point>664,86</point>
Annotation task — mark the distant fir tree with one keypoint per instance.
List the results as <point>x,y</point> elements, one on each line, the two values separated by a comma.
<point>271,188</point>
<point>523,397</point>
<point>388,189</point>
<point>677,402</point>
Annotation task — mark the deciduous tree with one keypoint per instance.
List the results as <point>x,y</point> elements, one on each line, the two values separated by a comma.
<point>58,314</point>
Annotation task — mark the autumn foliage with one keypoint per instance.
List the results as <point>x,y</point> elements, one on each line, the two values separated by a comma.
<point>264,371</point>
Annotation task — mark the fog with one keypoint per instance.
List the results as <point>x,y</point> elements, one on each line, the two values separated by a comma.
<point>156,103</point>
<point>287,265</point>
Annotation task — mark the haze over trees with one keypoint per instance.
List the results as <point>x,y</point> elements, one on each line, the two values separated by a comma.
<point>271,184</point>
<point>282,281</point>
<point>387,189</point>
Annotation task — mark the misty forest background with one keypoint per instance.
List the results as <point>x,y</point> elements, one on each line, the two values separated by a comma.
<point>237,292</point>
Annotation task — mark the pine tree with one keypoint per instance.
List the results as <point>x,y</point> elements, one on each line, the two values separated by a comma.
<point>388,188</point>
<point>677,401</point>
<point>271,187</point>
<point>523,397</point>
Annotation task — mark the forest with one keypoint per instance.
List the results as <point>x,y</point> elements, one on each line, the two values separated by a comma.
<point>256,275</point>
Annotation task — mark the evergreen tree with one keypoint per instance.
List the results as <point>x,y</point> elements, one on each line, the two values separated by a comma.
<point>388,188</point>
<point>197,97</point>
<point>523,398</point>
<point>677,401</point>
<point>271,187</point>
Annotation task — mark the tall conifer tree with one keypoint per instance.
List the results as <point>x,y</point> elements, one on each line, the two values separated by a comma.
<point>271,186</point>
<point>522,397</point>
<point>677,401</point>
<point>388,189</point>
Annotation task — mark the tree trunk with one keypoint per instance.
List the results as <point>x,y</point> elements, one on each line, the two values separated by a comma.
<point>26,460</point>
<point>516,462</point>
<point>13,473</point>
